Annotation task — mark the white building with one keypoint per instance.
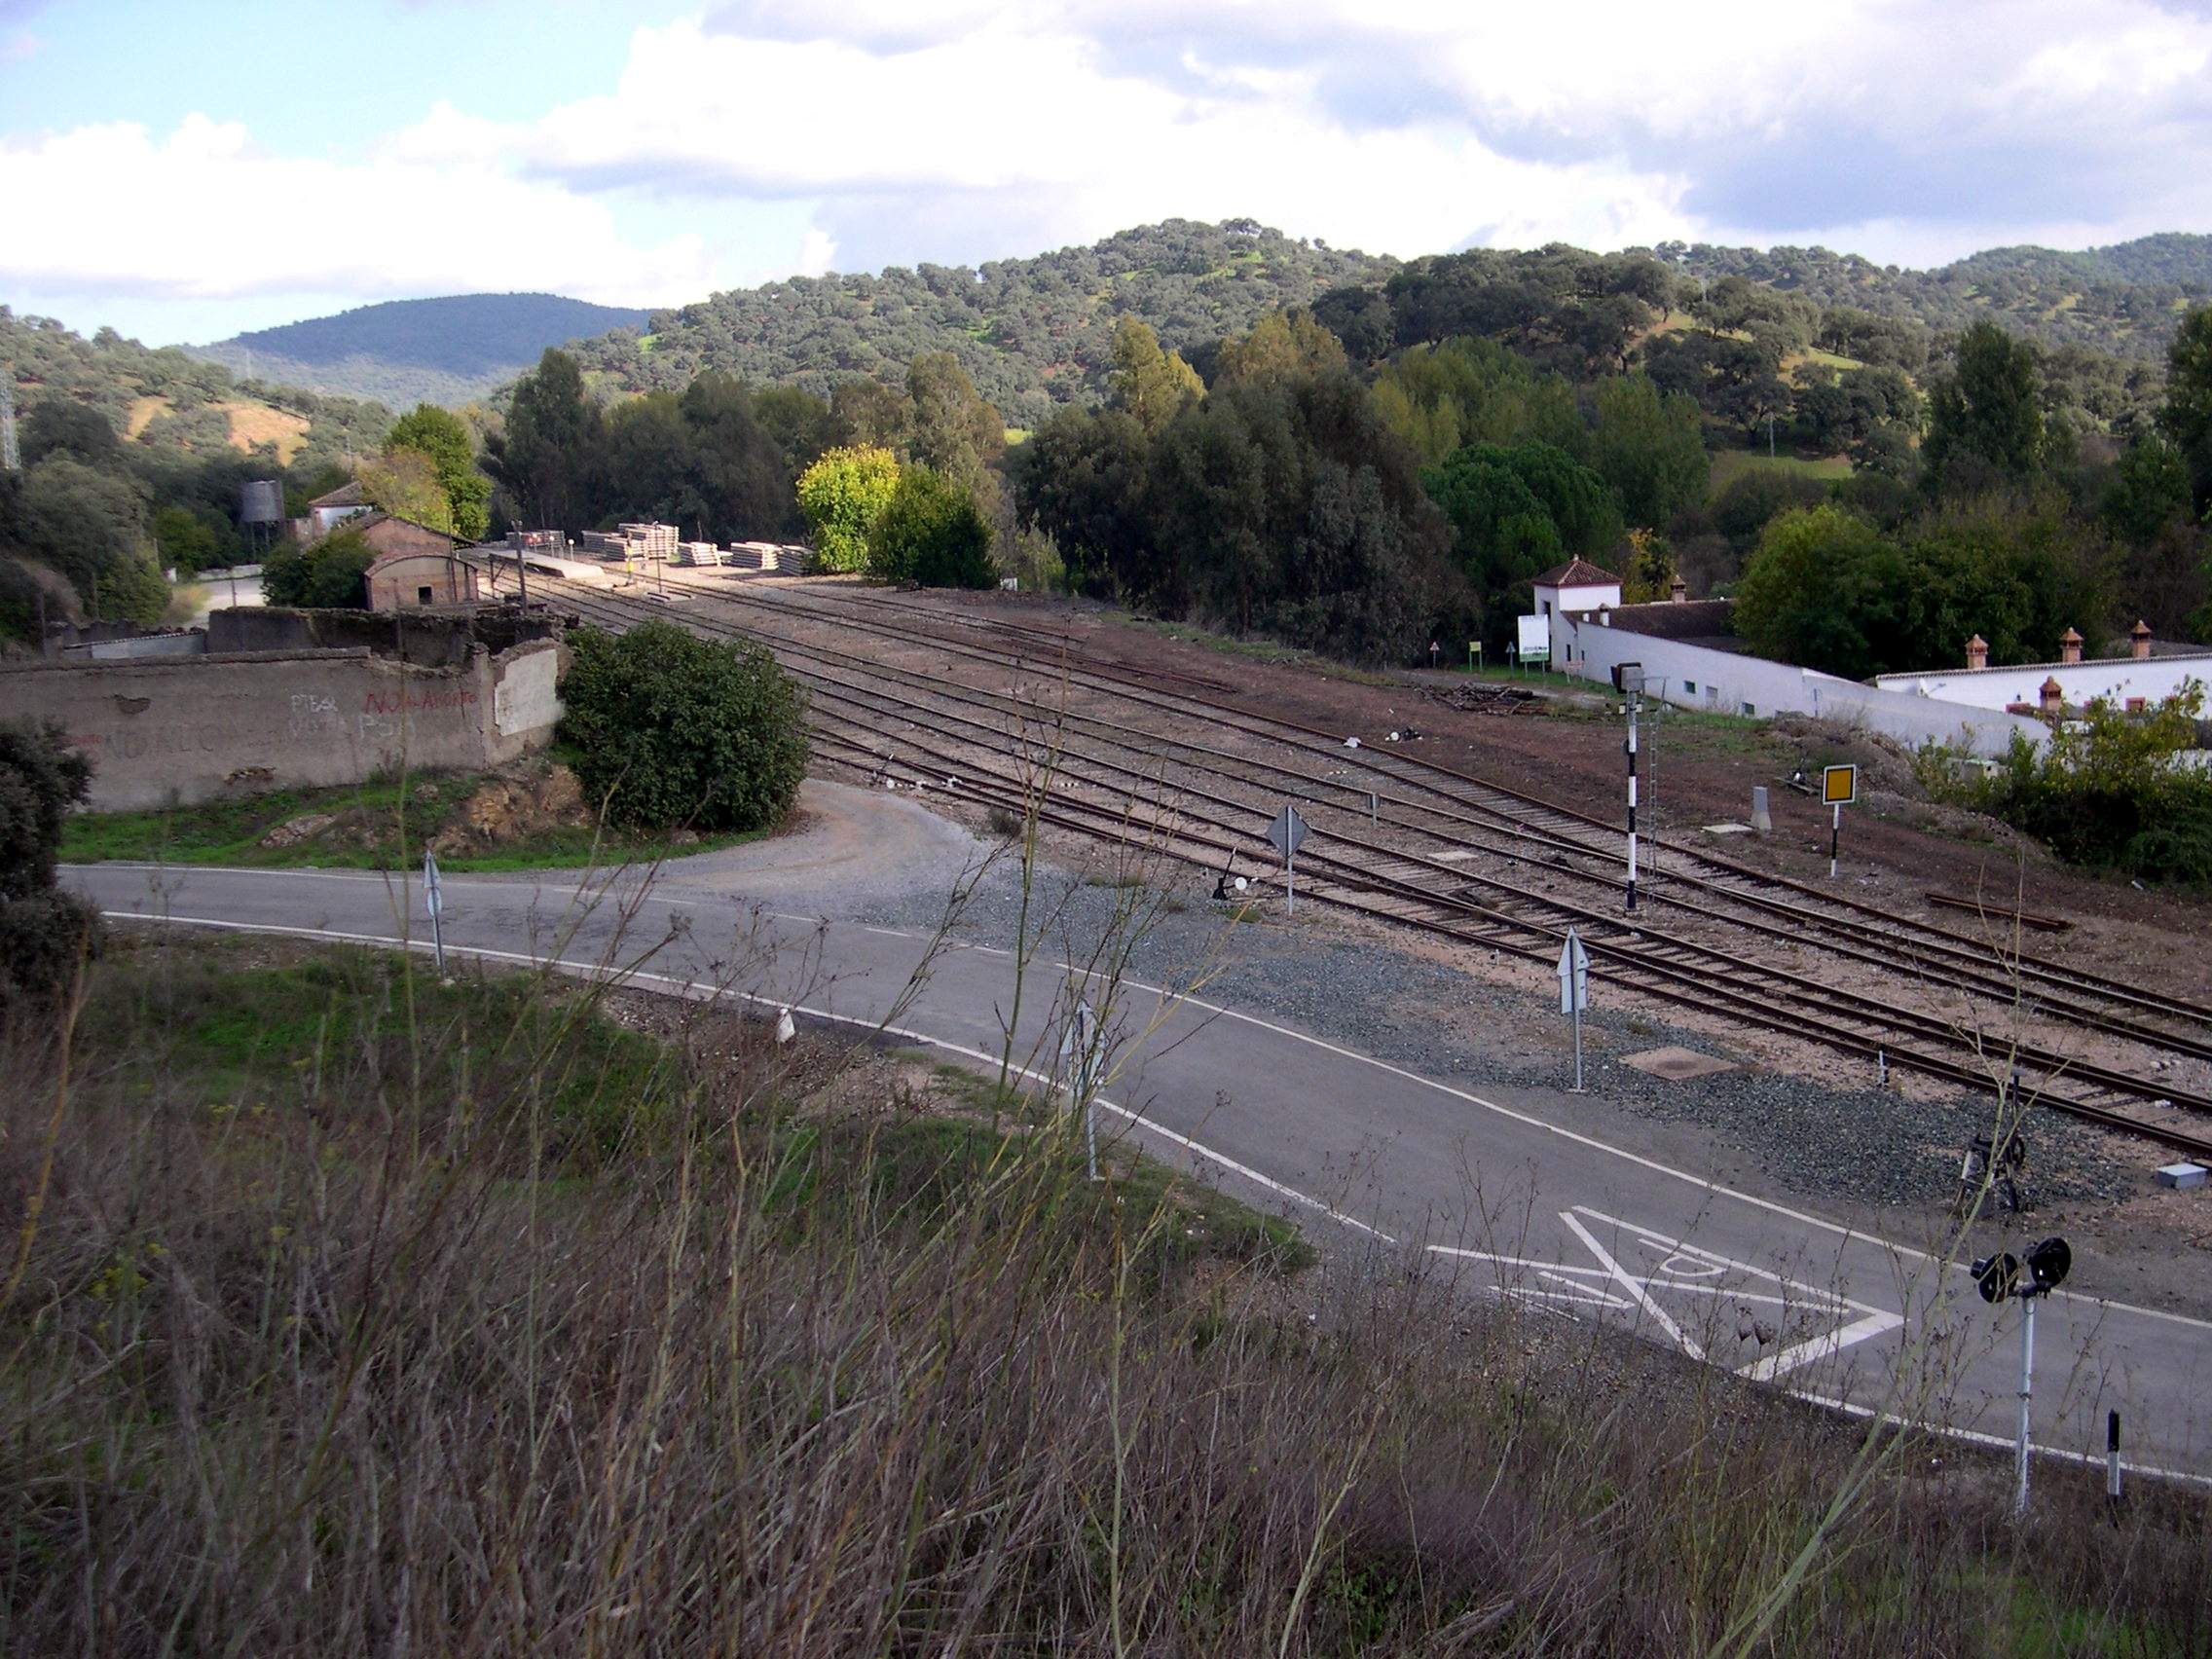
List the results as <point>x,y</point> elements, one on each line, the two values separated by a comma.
<point>2136,681</point>
<point>1575,588</point>
<point>325,513</point>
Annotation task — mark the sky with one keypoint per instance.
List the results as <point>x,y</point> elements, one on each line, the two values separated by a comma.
<point>187,169</point>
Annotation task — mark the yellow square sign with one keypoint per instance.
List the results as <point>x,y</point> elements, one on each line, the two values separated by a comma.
<point>1839,786</point>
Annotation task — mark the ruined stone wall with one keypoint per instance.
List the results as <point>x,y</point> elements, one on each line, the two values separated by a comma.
<point>188,729</point>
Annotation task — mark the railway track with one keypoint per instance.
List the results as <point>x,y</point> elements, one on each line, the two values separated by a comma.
<point>1461,857</point>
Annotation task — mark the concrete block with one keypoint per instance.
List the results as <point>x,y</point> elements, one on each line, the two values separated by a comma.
<point>2182,1176</point>
<point>1762,820</point>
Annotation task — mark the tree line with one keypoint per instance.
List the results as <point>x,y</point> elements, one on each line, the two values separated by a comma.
<point>2005,529</point>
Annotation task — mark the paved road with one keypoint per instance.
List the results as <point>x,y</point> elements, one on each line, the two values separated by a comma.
<point>1531,1208</point>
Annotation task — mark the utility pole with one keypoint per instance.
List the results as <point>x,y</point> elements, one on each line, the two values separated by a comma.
<point>10,458</point>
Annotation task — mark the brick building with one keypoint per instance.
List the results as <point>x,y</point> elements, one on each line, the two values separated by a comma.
<point>415,566</point>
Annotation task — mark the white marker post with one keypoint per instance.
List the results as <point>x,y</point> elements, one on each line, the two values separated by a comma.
<point>1076,1044</point>
<point>434,896</point>
<point>1285,833</point>
<point>1574,994</point>
<point>1628,679</point>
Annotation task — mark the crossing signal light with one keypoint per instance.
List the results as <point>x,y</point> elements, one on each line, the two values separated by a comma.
<point>1996,1275</point>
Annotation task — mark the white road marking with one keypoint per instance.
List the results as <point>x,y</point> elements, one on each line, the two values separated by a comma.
<point>1688,1270</point>
<point>1633,1285</point>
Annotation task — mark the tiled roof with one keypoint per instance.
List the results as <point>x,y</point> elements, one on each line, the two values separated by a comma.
<point>1699,619</point>
<point>1577,572</point>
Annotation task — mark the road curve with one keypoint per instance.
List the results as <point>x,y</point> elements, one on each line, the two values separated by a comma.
<point>1526,1206</point>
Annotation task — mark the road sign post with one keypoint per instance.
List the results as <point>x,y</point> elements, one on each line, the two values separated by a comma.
<point>1078,1043</point>
<point>1839,789</point>
<point>1285,835</point>
<point>434,896</point>
<point>1574,994</point>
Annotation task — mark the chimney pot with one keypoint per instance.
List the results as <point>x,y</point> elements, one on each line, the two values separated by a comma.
<point>2053,695</point>
<point>1977,653</point>
<point>1679,591</point>
<point>2140,634</point>
<point>2070,646</point>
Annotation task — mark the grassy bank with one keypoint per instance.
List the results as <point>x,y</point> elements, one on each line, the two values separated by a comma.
<point>381,825</point>
<point>358,1314</point>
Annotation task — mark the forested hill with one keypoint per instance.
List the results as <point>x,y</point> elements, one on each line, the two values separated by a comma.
<point>2125,299</point>
<point>406,351</point>
<point>1031,333</point>
<point>173,409</point>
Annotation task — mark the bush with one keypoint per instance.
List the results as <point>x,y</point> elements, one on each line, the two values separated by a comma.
<point>44,932</point>
<point>842,494</point>
<point>44,940</point>
<point>931,533</point>
<point>330,575</point>
<point>2108,792</point>
<point>672,730</point>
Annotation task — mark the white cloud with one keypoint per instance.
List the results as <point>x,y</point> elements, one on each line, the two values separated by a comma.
<point>204,214</point>
<point>1404,126</point>
<point>767,137</point>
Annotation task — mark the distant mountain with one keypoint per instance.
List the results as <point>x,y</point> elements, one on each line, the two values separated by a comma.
<point>408,351</point>
<point>1031,333</point>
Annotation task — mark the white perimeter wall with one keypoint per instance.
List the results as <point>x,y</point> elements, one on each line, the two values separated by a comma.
<point>1731,684</point>
<point>2154,678</point>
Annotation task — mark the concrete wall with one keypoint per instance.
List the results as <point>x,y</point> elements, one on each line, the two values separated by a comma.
<point>187,642</point>
<point>185,729</point>
<point>2151,679</point>
<point>1697,676</point>
<point>425,639</point>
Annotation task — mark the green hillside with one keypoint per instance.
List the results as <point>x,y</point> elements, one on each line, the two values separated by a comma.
<point>169,406</point>
<point>1031,333</point>
<point>2125,299</point>
<point>406,351</point>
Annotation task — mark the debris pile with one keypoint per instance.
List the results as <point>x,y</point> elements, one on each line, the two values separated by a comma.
<point>1479,699</point>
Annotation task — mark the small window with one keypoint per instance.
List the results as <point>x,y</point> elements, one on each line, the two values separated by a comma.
<point>1691,686</point>
<point>1749,711</point>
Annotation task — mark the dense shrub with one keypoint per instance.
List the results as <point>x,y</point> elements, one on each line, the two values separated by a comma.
<point>44,934</point>
<point>931,533</point>
<point>675,731</point>
<point>330,575</point>
<point>2111,792</point>
<point>842,494</point>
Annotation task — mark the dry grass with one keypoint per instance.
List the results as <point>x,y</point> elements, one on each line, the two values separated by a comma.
<point>254,424</point>
<point>141,415</point>
<point>367,1315</point>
